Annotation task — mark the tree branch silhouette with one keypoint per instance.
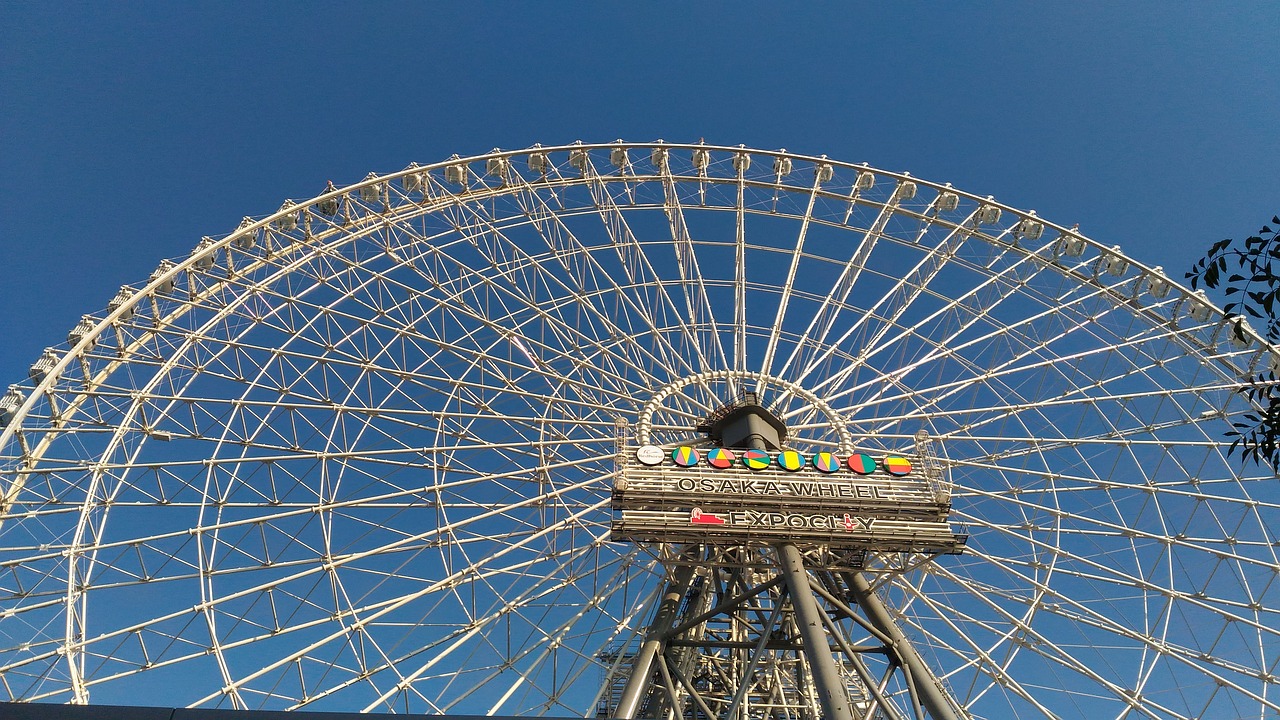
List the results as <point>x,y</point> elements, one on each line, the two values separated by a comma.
<point>1246,273</point>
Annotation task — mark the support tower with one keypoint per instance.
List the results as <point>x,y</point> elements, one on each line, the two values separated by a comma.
<point>770,608</point>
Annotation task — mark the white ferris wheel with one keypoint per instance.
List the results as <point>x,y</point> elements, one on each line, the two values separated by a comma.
<point>362,454</point>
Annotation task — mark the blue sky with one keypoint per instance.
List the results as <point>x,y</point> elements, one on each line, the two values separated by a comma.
<point>129,130</point>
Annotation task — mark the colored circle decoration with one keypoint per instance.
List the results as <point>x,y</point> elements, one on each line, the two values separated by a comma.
<point>685,456</point>
<point>862,463</point>
<point>756,459</point>
<point>720,458</point>
<point>826,462</point>
<point>790,460</point>
<point>896,465</point>
<point>649,454</point>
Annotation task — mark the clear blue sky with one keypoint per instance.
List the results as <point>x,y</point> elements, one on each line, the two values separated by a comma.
<point>129,130</point>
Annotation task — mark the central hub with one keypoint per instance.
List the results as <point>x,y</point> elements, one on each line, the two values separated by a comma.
<point>745,424</point>
<point>751,482</point>
<point>665,418</point>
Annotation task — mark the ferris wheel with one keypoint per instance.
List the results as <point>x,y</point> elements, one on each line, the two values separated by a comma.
<point>363,454</point>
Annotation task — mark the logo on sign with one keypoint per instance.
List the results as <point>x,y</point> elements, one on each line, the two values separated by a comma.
<point>720,458</point>
<point>897,466</point>
<point>756,459</point>
<point>650,454</point>
<point>685,456</point>
<point>862,463</point>
<point>790,460</point>
<point>826,462</point>
<point>697,517</point>
<point>778,520</point>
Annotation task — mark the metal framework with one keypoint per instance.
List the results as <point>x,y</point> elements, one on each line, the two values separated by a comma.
<point>358,454</point>
<point>719,646</point>
<point>723,647</point>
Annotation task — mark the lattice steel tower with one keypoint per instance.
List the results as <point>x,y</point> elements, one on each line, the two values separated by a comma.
<point>766,611</point>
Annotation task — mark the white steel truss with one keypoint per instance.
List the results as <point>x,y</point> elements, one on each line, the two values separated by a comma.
<point>358,453</point>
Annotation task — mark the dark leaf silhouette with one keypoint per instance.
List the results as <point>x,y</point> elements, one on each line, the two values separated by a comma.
<point>1253,283</point>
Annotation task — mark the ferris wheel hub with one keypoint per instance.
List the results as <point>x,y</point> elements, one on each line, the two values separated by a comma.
<point>744,486</point>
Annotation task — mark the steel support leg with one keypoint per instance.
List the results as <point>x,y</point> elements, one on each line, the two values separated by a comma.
<point>642,665</point>
<point>932,696</point>
<point>832,693</point>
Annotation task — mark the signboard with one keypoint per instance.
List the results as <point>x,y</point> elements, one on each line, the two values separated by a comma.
<point>860,502</point>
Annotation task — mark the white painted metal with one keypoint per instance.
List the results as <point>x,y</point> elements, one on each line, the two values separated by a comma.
<point>357,453</point>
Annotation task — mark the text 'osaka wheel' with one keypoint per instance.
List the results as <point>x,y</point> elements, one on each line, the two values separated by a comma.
<point>359,454</point>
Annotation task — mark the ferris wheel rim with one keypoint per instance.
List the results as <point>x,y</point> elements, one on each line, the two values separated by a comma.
<point>342,234</point>
<point>250,227</point>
